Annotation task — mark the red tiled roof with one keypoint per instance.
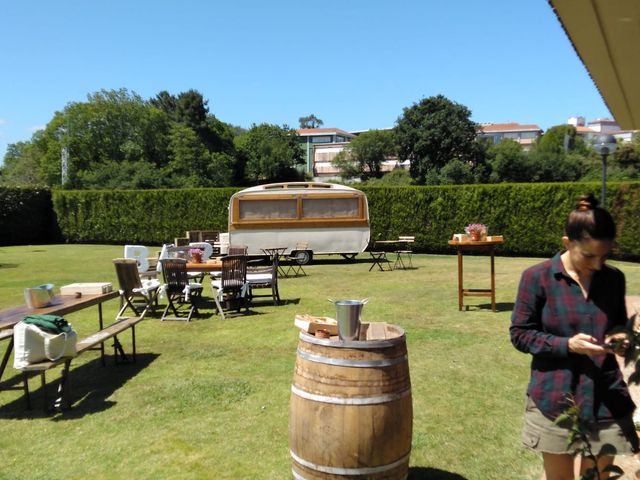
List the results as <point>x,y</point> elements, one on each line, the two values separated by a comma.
<point>323,131</point>
<point>509,127</point>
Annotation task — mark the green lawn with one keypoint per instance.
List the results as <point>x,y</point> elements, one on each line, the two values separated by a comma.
<point>209,399</point>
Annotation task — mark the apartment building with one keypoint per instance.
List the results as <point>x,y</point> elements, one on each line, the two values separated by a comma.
<point>525,135</point>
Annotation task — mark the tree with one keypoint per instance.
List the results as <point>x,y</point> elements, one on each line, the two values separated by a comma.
<point>625,161</point>
<point>111,126</point>
<point>560,155</point>
<point>363,156</point>
<point>456,172</point>
<point>508,163</point>
<point>21,165</point>
<point>397,176</point>
<point>310,121</point>
<point>189,159</point>
<point>271,153</point>
<point>117,140</point>
<point>167,103</point>
<point>433,132</point>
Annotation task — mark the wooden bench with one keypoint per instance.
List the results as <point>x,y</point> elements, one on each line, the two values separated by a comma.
<point>89,343</point>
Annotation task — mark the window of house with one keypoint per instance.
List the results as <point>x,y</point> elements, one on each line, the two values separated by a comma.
<point>529,135</point>
<point>322,139</point>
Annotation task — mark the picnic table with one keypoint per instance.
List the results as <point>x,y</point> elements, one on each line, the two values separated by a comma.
<point>60,305</point>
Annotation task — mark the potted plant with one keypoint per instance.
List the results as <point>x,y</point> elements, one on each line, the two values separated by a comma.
<point>196,255</point>
<point>476,231</point>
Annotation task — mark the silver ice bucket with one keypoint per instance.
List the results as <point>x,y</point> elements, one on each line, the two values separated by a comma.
<point>348,317</point>
<point>40,296</point>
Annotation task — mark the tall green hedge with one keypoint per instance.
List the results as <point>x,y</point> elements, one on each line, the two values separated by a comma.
<point>26,216</point>
<point>529,216</point>
<point>139,216</point>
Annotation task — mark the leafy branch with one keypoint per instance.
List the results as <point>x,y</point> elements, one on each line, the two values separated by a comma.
<point>579,440</point>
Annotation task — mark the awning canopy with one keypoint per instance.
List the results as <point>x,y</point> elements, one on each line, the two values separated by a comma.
<point>606,36</point>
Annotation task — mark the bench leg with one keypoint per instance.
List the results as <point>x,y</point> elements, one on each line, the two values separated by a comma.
<point>43,383</point>
<point>64,389</point>
<point>25,386</point>
<point>133,342</point>
<point>118,351</point>
<point>5,358</point>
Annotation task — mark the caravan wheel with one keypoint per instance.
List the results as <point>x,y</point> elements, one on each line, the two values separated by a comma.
<point>303,256</point>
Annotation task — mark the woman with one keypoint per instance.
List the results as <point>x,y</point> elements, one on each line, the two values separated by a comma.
<point>565,316</point>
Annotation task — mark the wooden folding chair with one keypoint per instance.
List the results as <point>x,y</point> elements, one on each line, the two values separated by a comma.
<point>182,296</point>
<point>231,287</point>
<point>405,252</point>
<point>264,277</point>
<point>238,249</point>
<point>293,267</point>
<point>380,259</point>
<point>132,288</point>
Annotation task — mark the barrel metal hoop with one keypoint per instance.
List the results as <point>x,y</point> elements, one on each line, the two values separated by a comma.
<point>349,471</point>
<point>356,344</point>
<point>389,397</point>
<point>343,362</point>
<point>297,476</point>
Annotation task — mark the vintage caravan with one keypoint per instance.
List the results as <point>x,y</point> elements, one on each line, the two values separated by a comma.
<point>328,218</point>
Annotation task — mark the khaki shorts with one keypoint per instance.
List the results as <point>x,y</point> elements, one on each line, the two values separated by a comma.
<point>542,435</point>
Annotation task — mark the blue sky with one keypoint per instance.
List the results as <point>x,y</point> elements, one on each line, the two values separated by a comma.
<point>354,64</point>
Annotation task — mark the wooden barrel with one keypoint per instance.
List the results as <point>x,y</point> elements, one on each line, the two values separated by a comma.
<point>350,413</point>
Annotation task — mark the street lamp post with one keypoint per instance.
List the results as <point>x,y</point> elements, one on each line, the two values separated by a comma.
<point>604,145</point>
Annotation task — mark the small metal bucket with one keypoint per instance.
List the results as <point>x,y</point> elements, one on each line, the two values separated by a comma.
<point>38,297</point>
<point>348,317</point>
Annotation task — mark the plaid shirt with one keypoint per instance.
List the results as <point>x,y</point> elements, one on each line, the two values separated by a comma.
<point>550,308</point>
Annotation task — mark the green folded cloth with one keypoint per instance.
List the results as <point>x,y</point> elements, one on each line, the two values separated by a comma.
<point>49,323</point>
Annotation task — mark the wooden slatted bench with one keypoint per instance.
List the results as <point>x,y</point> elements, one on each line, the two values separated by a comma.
<point>89,343</point>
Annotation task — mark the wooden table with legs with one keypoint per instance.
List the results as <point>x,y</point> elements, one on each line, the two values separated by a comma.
<point>275,255</point>
<point>60,305</point>
<point>488,246</point>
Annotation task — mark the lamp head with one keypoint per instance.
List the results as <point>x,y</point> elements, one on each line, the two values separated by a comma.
<point>605,144</point>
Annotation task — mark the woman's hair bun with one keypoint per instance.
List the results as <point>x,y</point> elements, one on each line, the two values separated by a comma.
<point>586,202</point>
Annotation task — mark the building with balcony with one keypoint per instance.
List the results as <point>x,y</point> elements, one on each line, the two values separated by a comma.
<point>525,135</point>
<point>593,128</point>
<point>322,144</point>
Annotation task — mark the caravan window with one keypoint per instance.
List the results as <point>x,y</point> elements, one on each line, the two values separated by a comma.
<point>330,207</point>
<point>268,209</point>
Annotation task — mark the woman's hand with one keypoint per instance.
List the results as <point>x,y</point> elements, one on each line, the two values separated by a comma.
<point>584,344</point>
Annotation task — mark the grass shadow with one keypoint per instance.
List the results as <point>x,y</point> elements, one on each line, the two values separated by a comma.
<point>9,265</point>
<point>290,301</point>
<point>428,473</point>
<point>500,306</point>
<point>91,386</point>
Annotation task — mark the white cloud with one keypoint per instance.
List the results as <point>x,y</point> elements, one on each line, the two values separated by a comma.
<point>3,122</point>
<point>37,128</point>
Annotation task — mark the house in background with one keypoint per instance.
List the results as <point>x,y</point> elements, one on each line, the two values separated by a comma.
<point>320,146</point>
<point>525,135</point>
<point>598,126</point>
